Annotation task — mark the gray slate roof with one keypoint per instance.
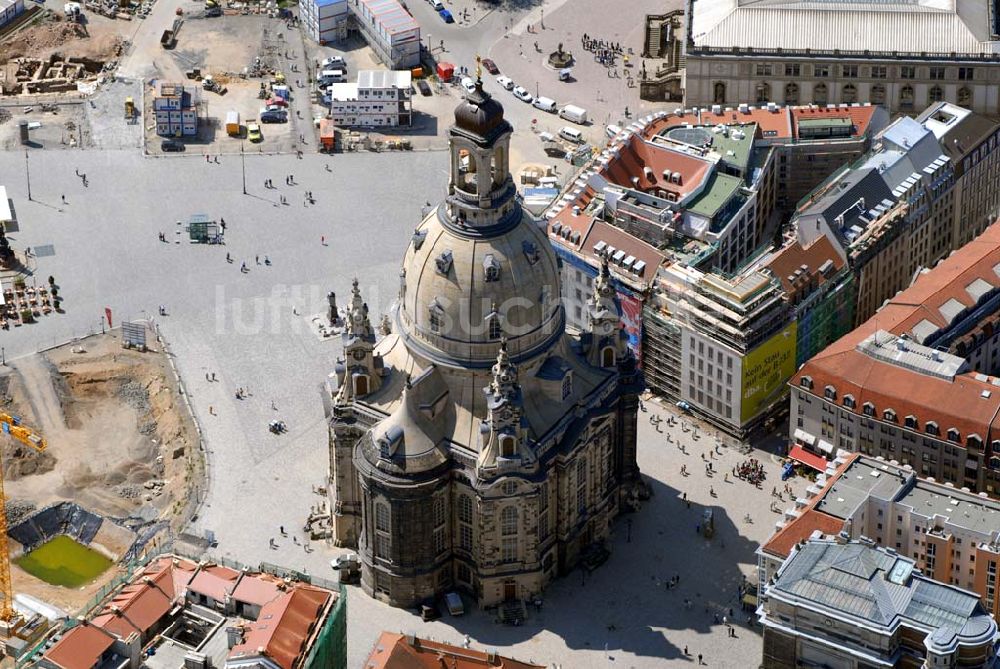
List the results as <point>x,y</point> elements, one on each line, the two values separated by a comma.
<point>876,587</point>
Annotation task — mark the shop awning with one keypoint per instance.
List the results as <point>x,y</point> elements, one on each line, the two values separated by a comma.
<point>825,445</point>
<point>800,454</point>
<point>804,437</point>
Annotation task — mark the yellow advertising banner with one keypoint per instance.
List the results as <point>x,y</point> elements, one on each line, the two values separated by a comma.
<point>765,371</point>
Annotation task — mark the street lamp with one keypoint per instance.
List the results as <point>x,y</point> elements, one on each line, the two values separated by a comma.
<point>429,43</point>
<point>243,163</point>
<point>536,90</point>
<point>27,173</point>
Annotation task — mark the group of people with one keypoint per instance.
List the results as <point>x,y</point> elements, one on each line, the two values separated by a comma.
<point>751,470</point>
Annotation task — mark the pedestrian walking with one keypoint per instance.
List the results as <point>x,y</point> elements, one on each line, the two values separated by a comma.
<point>78,171</point>
<point>322,240</point>
<point>699,660</point>
<point>257,259</point>
<point>64,199</point>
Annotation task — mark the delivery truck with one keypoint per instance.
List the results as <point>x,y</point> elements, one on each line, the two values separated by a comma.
<point>233,128</point>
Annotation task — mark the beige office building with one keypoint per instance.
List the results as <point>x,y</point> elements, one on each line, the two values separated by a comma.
<point>904,55</point>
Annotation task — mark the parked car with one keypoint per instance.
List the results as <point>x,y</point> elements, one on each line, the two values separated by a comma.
<point>446,16</point>
<point>423,87</point>
<point>334,63</point>
<point>522,94</point>
<point>273,117</point>
<point>348,561</point>
<point>506,83</point>
<point>171,145</point>
<point>253,132</point>
<point>436,4</point>
<point>468,84</point>
<point>276,102</point>
<point>490,66</point>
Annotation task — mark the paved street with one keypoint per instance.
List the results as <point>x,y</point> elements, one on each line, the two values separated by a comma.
<point>250,329</point>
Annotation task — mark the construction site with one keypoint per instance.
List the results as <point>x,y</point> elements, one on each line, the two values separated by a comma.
<point>100,461</point>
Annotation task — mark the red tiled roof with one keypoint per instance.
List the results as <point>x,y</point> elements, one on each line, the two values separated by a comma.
<point>257,589</point>
<point>394,651</point>
<point>214,581</point>
<point>800,529</point>
<point>860,117</point>
<point>636,154</point>
<point>80,648</point>
<point>783,122</point>
<point>284,626</point>
<point>141,604</point>
<point>792,256</point>
<point>621,240</point>
<point>959,403</point>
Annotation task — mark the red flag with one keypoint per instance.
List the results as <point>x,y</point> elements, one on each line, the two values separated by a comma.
<point>107,312</point>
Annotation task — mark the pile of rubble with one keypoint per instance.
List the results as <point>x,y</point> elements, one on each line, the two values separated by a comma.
<point>120,9</point>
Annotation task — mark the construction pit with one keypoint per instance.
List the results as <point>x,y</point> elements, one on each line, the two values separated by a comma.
<point>121,461</point>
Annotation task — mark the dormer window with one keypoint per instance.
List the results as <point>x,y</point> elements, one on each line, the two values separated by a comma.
<point>567,385</point>
<point>911,422</point>
<point>953,435</point>
<point>491,268</point>
<point>508,447</point>
<point>530,251</point>
<point>436,317</point>
<point>869,409</point>
<point>806,382</point>
<point>830,393</point>
<point>889,415</point>
<point>849,401</point>
<point>932,428</point>
<point>444,262</point>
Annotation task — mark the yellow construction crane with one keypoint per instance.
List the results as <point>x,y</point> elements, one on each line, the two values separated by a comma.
<point>11,425</point>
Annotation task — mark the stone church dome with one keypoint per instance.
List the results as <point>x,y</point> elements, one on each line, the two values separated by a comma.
<point>456,284</point>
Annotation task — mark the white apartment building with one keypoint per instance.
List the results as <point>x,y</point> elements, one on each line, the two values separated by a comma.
<point>380,98</point>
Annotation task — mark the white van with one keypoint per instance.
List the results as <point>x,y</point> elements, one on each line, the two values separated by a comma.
<point>574,114</point>
<point>572,134</point>
<point>436,4</point>
<point>545,104</point>
<point>327,77</point>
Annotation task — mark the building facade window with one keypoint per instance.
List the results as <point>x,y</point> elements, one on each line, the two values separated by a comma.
<point>966,73</point>
<point>878,94</point>
<point>719,93</point>
<point>820,94</point>
<point>964,96</point>
<point>792,69</point>
<point>936,73</point>
<point>935,94</point>
<point>763,92</point>
<point>906,97</point>
<point>763,69</point>
<point>465,522</point>
<point>849,71</point>
<point>878,71</point>
<point>821,70</point>
<point>907,72</point>
<point>383,541</point>
<point>791,93</point>
<point>850,93</point>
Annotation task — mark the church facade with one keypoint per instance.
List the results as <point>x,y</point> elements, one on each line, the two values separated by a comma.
<point>478,446</point>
